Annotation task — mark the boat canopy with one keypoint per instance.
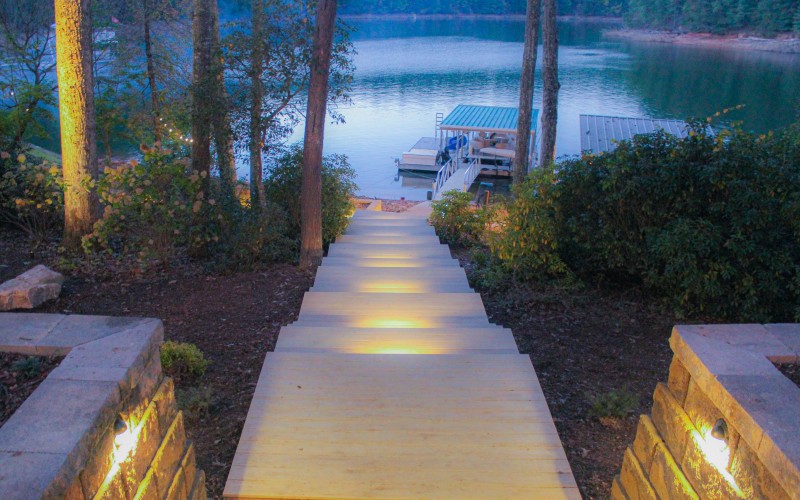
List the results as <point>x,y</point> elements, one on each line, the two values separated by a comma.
<point>466,118</point>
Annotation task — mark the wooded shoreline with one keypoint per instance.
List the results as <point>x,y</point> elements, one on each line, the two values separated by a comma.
<point>735,42</point>
<point>484,17</point>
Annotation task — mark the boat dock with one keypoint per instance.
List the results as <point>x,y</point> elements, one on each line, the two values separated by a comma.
<point>422,156</point>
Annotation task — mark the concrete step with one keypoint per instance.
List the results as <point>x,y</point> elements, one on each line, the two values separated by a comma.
<point>364,222</point>
<point>368,214</point>
<point>396,310</point>
<point>390,280</point>
<point>402,240</point>
<point>426,262</point>
<point>399,341</point>
<point>388,251</point>
<point>391,231</point>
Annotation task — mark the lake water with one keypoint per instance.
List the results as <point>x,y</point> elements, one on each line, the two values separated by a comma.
<point>408,71</point>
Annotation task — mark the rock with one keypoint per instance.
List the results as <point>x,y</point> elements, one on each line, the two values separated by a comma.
<point>30,289</point>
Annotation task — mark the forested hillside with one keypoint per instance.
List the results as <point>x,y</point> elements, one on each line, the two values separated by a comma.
<point>566,7</point>
<point>767,17</point>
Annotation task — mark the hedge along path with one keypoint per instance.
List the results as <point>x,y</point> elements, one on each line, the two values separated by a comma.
<point>393,384</point>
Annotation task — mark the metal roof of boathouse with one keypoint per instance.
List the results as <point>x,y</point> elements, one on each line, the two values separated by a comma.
<point>485,119</point>
<point>601,134</point>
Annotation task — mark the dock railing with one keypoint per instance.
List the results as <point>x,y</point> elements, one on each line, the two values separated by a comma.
<point>447,171</point>
<point>472,173</point>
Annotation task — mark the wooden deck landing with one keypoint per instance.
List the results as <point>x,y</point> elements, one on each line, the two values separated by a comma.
<point>393,384</point>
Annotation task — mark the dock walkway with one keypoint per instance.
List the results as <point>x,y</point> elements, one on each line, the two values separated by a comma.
<point>394,384</point>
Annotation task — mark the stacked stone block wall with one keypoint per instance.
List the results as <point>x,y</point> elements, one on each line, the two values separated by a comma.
<point>675,456</point>
<point>67,441</point>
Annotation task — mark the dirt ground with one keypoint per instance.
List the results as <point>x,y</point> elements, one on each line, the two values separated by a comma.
<point>20,375</point>
<point>791,371</point>
<point>583,344</point>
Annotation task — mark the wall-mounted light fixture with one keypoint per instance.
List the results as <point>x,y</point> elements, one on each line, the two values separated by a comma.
<point>720,430</point>
<point>120,426</point>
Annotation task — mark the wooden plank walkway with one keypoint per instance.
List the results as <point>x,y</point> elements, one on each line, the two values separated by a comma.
<point>393,384</point>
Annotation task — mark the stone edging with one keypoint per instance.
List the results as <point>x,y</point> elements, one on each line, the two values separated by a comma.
<point>50,438</point>
<point>732,364</point>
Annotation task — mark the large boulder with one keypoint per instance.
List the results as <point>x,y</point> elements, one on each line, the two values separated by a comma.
<point>30,289</point>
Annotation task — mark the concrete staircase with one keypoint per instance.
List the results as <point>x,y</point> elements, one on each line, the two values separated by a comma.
<point>394,384</point>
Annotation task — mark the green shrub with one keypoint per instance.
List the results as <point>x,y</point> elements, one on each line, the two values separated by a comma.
<point>613,404</point>
<point>456,220</point>
<point>154,209</point>
<point>526,242</point>
<point>159,211</point>
<point>195,402</point>
<point>31,195</point>
<point>182,359</point>
<point>252,237</point>
<point>28,368</point>
<point>711,223</point>
<point>284,181</point>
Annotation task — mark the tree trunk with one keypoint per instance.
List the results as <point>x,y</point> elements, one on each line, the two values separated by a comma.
<point>76,109</point>
<point>257,192</point>
<point>221,122</point>
<point>526,85</point>
<point>151,72</point>
<point>202,106</point>
<point>311,194</point>
<point>551,84</point>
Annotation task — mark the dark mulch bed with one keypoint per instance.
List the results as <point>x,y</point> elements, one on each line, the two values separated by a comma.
<point>234,319</point>
<point>791,371</point>
<point>20,375</point>
<point>584,344</point>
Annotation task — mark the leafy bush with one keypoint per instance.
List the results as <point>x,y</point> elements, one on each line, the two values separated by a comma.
<point>613,404</point>
<point>182,359</point>
<point>712,223</point>
<point>153,208</point>
<point>31,195</point>
<point>283,184</point>
<point>159,210</point>
<point>251,237</point>
<point>28,368</point>
<point>456,220</point>
<point>195,402</point>
<point>527,241</point>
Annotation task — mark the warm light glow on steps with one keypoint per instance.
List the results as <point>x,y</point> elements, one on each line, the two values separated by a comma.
<point>380,322</point>
<point>392,287</point>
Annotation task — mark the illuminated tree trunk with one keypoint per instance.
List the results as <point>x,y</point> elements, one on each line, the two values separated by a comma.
<point>257,192</point>
<point>526,86</point>
<point>551,84</point>
<point>202,105</point>
<point>76,111</point>
<point>311,194</point>
<point>221,123</point>
<point>151,71</point>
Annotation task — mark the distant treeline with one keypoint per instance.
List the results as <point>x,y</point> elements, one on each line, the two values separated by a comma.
<point>565,7</point>
<point>767,17</point>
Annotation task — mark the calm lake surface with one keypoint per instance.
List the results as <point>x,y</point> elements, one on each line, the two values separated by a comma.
<point>408,71</point>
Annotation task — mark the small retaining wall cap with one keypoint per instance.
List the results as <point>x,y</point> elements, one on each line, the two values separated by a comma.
<point>30,289</point>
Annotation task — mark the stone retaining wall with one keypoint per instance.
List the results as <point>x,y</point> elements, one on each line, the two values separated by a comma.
<point>721,382</point>
<point>104,423</point>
